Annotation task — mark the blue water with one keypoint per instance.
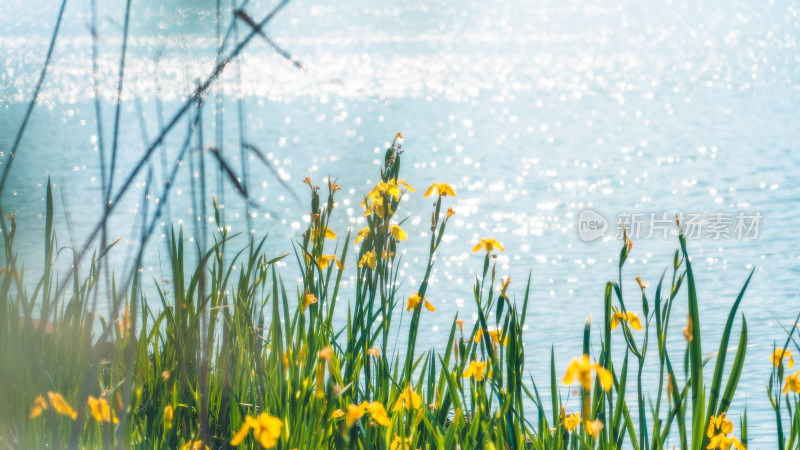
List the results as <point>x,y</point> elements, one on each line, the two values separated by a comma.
<point>532,111</point>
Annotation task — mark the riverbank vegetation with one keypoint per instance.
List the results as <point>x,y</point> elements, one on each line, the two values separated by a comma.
<point>230,354</point>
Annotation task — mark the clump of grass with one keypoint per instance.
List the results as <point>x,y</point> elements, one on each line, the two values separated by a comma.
<point>234,357</point>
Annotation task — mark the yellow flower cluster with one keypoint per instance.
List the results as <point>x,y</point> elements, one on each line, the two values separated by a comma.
<point>196,445</point>
<point>55,400</point>
<point>399,443</point>
<point>100,410</point>
<point>408,399</point>
<point>377,200</point>
<point>354,412</point>
<point>476,369</point>
<point>718,430</point>
<point>495,335</point>
<point>570,421</point>
<point>266,430</point>
<point>370,258</point>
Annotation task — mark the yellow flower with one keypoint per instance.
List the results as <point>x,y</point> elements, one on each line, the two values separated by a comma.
<point>460,324</point>
<point>374,351</point>
<point>415,300</point>
<point>719,427</point>
<point>792,383</point>
<point>594,428</point>
<point>505,282</point>
<point>399,443</point>
<point>196,445</point>
<point>408,399</point>
<point>169,413</point>
<point>441,188</point>
<point>581,368</point>
<point>397,232</point>
<point>780,354</point>
<point>687,332</point>
<point>476,369</point>
<point>642,284</point>
<point>100,410</point>
<point>629,317</point>
<point>399,135</point>
<point>308,299</point>
<point>478,336</point>
<point>370,258</point>
<point>406,185</point>
<point>496,335</point>
<point>571,421</point>
<point>327,232</point>
<point>450,212</point>
<point>355,412</point>
<point>326,353</point>
<point>363,233</point>
<point>378,414</point>
<point>337,414</point>
<point>488,245</point>
<point>39,406</point>
<point>60,405</point>
<point>324,260</point>
<point>266,430</point>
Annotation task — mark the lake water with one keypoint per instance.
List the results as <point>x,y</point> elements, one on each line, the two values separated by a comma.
<point>532,111</point>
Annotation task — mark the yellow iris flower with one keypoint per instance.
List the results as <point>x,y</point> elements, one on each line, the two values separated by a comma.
<point>397,232</point>
<point>476,369</point>
<point>792,384</point>
<point>415,300</point>
<point>570,421</point>
<point>363,233</point>
<point>327,232</point>
<point>370,258</point>
<point>379,414</point>
<point>594,428</point>
<point>375,409</point>
<point>266,430</point>
<point>324,260</point>
<point>100,410</point>
<point>399,443</point>
<point>488,245</point>
<point>631,318</point>
<point>196,445</point>
<point>496,335</point>
<point>442,189</point>
<point>408,399</point>
<point>642,284</point>
<point>308,300</point>
<point>55,400</point>
<point>780,355</point>
<point>719,427</point>
<point>582,368</point>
